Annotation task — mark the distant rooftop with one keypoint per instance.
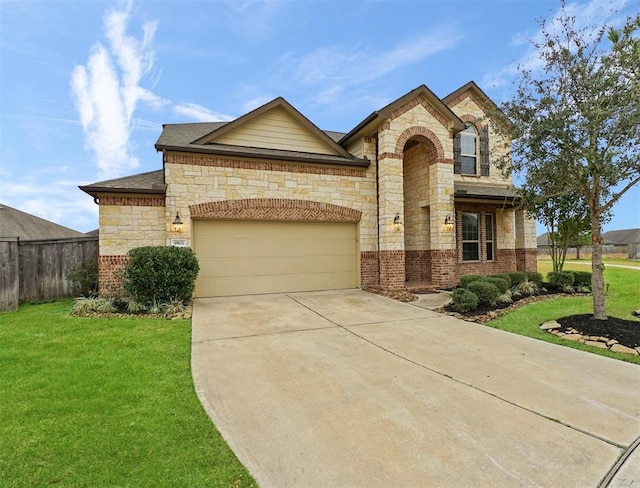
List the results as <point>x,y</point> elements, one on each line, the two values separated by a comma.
<point>27,227</point>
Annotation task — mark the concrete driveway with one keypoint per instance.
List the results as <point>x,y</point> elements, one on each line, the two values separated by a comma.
<point>350,389</point>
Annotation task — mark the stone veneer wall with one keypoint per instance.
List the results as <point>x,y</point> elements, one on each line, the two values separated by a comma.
<point>127,222</point>
<point>198,184</point>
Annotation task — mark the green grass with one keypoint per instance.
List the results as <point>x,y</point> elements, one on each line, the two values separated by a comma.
<point>621,300</point>
<point>544,265</point>
<point>104,402</point>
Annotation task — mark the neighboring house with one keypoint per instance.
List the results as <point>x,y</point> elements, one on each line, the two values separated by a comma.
<point>270,203</point>
<point>621,238</point>
<point>27,227</point>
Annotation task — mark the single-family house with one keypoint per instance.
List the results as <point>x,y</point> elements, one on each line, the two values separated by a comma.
<point>411,196</point>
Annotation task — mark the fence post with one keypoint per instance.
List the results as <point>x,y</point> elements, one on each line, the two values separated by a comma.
<point>9,274</point>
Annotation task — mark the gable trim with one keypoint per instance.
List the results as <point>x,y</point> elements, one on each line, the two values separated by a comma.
<point>256,113</point>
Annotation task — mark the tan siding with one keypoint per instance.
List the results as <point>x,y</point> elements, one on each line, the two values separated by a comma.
<point>276,129</point>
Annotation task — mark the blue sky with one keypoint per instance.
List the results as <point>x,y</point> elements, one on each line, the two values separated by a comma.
<point>85,86</point>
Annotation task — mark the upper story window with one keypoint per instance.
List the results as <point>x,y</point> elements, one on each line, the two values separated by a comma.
<point>468,148</point>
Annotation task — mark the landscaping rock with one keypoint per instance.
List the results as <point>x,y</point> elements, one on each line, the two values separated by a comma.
<point>611,342</point>
<point>599,344</point>
<point>573,337</point>
<point>624,349</point>
<point>551,325</point>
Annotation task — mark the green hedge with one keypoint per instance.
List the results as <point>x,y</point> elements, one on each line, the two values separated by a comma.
<point>517,277</point>
<point>466,279</point>
<point>503,276</point>
<point>562,278</point>
<point>487,292</point>
<point>464,300</point>
<point>581,278</point>
<point>160,274</point>
<point>535,277</point>
<point>500,283</point>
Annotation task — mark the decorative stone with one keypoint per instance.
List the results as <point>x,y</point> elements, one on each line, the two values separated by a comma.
<point>599,344</point>
<point>550,325</point>
<point>611,342</point>
<point>624,349</point>
<point>637,312</point>
<point>573,337</point>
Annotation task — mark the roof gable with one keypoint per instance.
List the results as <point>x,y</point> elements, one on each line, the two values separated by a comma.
<point>276,125</point>
<point>418,96</point>
<point>473,91</point>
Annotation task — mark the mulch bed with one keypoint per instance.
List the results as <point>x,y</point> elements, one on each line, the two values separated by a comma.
<point>626,332</point>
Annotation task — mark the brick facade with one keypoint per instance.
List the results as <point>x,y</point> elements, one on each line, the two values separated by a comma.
<point>110,269</point>
<point>411,175</point>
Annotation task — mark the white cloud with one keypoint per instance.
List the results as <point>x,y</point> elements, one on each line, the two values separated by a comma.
<point>108,89</point>
<point>200,113</point>
<point>341,67</point>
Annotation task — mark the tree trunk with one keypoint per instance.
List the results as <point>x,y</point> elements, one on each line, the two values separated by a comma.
<point>597,269</point>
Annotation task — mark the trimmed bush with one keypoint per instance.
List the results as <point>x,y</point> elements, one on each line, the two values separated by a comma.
<point>561,279</point>
<point>517,277</point>
<point>487,292</point>
<point>500,283</point>
<point>160,274</point>
<point>466,279</point>
<point>581,279</point>
<point>504,276</point>
<point>464,300</point>
<point>85,277</point>
<point>535,277</point>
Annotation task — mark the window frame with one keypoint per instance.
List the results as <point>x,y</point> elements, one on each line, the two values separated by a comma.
<point>475,242</point>
<point>468,136</point>
<point>489,238</point>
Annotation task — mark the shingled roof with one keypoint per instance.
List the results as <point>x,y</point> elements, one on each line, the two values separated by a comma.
<point>622,237</point>
<point>27,227</point>
<point>147,183</point>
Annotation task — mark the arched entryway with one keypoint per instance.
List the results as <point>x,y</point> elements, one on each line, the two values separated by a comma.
<point>419,154</point>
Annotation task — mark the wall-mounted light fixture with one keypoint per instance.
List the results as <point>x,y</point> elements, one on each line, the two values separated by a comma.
<point>448,224</point>
<point>176,225</point>
<point>397,224</point>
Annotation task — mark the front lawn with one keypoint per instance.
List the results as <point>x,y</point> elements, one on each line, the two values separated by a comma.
<point>104,402</point>
<point>621,300</point>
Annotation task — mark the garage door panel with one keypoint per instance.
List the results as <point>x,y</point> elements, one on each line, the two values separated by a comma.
<point>241,257</point>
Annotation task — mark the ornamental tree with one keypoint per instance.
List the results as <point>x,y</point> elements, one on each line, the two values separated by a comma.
<point>576,123</point>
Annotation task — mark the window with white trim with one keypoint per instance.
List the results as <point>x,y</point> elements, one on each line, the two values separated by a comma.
<point>470,236</point>
<point>468,150</point>
<point>489,232</point>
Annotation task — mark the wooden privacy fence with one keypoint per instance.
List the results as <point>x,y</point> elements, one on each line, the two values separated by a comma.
<point>32,271</point>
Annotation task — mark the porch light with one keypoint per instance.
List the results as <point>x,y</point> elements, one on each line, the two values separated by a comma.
<point>176,225</point>
<point>396,222</point>
<point>448,224</point>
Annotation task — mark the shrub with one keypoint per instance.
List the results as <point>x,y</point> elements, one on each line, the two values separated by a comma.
<point>88,305</point>
<point>526,288</point>
<point>85,277</point>
<point>464,300</point>
<point>466,279</point>
<point>535,277</point>
<point>517,277</point>
<point>561,279</point>
<point>500,283</point>
<point>487,292</point>
<point>160,274</point>
<point>505,277</point>
<point>581,279</point>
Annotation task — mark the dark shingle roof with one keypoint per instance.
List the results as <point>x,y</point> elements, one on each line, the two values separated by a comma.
<point>15,223</point>
<point>151,182</point>
<point>621,237</point>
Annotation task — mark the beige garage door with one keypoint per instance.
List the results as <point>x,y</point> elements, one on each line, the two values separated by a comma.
<point>245,257</point>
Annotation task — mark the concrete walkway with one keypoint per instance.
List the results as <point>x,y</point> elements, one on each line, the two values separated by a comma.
<point>350,389</point>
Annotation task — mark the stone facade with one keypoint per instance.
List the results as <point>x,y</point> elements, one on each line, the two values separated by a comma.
<point>409,177</point>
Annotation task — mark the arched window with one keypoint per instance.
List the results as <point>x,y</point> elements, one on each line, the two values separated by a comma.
<point>468,150</point>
